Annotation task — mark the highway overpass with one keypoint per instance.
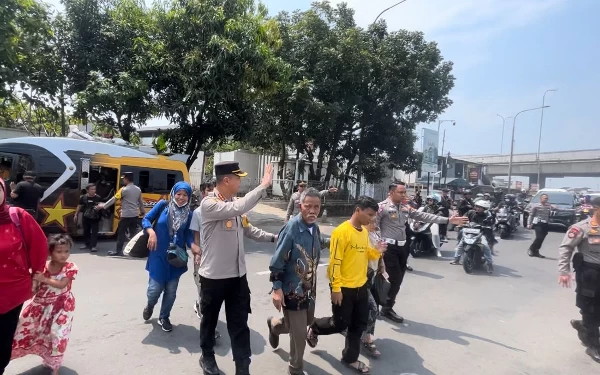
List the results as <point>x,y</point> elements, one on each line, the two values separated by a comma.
<point>579,163</point>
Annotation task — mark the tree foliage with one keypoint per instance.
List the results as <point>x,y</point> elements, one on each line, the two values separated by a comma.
<point>345,99</point>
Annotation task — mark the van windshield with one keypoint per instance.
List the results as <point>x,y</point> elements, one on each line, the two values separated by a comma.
<point>556,198</point>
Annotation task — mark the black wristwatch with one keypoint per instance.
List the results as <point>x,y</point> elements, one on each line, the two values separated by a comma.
<point>273,239</point>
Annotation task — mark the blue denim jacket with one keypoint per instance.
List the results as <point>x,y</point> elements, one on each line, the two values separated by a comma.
<point>294,264</point>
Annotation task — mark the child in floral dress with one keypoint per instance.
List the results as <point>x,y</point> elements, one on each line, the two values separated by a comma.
<point>45,323</point>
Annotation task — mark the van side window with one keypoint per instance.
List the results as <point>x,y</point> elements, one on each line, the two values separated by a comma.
<point>152,180</point>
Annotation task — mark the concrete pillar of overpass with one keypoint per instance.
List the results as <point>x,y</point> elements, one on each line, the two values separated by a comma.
<point>534,180</point>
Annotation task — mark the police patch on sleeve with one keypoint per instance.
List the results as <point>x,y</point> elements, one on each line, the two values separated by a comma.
<point>573,232</point>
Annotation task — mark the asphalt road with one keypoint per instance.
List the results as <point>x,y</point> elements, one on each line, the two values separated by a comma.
<point>514,322</point>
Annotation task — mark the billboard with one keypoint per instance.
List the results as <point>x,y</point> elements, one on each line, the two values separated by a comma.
<point>430,151</point>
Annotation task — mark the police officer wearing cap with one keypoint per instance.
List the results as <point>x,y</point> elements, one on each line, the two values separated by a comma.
<point>391,220</point>
<point>585,237</point>
<point>223,265</point>
<point>131,207</point>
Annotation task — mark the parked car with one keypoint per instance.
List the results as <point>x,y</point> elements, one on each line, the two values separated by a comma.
<point>565,203</point>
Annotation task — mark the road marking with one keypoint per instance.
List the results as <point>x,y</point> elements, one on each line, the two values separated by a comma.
<point>268,272</point>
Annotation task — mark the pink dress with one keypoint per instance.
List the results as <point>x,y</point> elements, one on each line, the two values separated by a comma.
<point>45,323</point>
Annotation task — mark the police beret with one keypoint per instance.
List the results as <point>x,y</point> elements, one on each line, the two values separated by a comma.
<point>229,167</point>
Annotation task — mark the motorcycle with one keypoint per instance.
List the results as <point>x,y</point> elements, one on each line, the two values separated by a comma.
<point>503,222</point>
<point>426,238</point>
<point>473,256</point>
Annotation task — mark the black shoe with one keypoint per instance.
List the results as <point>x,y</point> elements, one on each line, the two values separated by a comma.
<point>391,315</point>
<point>147,314</point>
<point>273,338</point>
<point>594,353</point>
<point>490,268</point>
<point>409,268</point>
<point>197,310</point>
<point>166,325</point>
<point>242,367</point>
<point>539,256</point>
<point>209,366</point>
<point>530,253</point>
<point>455,262</point>
<point>113,253</point>
<point>581,331</point>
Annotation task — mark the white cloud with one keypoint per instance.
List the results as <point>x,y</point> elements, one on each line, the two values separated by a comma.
<point>441,19</point>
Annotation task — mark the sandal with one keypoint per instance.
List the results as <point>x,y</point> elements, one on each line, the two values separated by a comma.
<point>371,349</point>
<point>311,338</point>
<point>358,366</point>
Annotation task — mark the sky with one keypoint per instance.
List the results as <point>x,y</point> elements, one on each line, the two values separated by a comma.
<point>506,54</point>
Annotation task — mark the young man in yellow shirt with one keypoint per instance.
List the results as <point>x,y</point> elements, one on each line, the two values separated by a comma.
<point>350,252</point>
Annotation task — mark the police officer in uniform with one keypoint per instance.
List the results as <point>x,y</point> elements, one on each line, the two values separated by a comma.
<point>445,204</point>
<point>391,222</point>
<point>585,237</point>
<point>223,265</point>
<point>538,220</point>
<point>294,202</point>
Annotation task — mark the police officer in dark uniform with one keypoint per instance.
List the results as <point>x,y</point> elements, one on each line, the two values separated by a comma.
<point>466,203</point>
<point>445,204</point>
<point>585,237</point>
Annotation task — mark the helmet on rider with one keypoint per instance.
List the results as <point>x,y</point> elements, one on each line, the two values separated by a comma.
<point>482,205</point>
<point>431,199</point>
<point>467,192</point>
<point>479,195</point>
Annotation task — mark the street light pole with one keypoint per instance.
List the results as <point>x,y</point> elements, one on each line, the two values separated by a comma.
<point>539,164</point>
<point>385,10</point>
<point>512,143</point>
<point>502,139</point>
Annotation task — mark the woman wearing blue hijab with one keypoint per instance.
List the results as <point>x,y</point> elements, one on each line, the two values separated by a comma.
<point>169,235</point>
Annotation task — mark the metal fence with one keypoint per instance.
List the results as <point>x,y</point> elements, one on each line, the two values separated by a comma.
<point>282,190</point>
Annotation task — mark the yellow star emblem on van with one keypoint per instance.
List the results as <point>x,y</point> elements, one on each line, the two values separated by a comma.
<point>57,213</point>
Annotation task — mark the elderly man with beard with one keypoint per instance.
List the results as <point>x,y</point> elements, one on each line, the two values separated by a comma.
<point>294,277</point>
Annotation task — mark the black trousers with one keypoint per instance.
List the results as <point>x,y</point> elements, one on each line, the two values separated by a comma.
<point>541,231</point>
<point>8,326</point>
<point>353,314</point>
<point>125,223</point>
<point>235,292</point>
<point>90,232</point>
<point>395,259</point>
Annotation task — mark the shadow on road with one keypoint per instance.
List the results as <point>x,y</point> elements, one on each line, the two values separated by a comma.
<point>308,367</point>
<point>443,334</point>
<point>41,370</point>
<point>427,274</point>
<point>503,271</point>
<point>398,358</point>
<point>335,362</point>
<point>183,337</point>
<point>223,347</point>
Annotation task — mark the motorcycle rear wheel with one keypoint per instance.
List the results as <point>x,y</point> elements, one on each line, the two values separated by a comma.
<point>415,249</point>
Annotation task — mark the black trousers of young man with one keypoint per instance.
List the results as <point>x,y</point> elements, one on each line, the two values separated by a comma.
<point>395,259</point>
<point>8,326</point>
<point>541,231</point>
<point>126,223</point>
<point>90,232</point>
<point>353,314</point>
<point>235,293</point>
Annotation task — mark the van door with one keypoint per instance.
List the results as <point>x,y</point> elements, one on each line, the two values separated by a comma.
<point>106,178</point>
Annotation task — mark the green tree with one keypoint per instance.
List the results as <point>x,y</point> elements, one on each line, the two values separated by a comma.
<point>212,60</point>
<point>118,93</point>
